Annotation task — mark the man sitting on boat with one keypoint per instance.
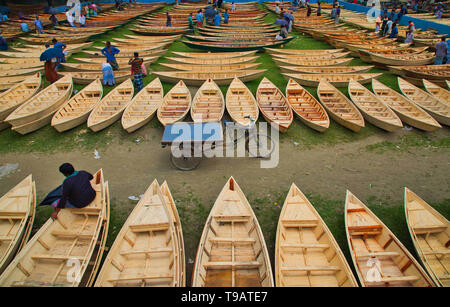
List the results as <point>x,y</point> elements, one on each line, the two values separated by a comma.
<point>75,192</point>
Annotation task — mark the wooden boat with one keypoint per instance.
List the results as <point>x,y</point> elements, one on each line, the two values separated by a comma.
<point>120,61</point>
<point>132,49</point>
<point>21,63</point>
<point>148,232</point>
<point>8,82</point>
<point>312,62</point>
<point>111,107</point>
<point>365,54</point>
<point>38,111</point>
<point>314,56</point>
<point>213,55</point>
<point>129,41</point>
<point>325,69</point>
<point>339,107</point>
<point>437,92</point>
<point>301,52</point>
<point>232,251</point>
<point>128,54</point>
<point>17,212</point>
<point>19,71</point>
<point>306,107</point>
<point>212,61</point>
<point>406,109</point>
<point>240,103</point>
<point>143,106</point>
<point>81,67</point>
<point>429,72</point>
<point>151,38</point>
<point>45,259</point>
<point>430,233</point>
<point>208,104</point>
<point>374,110</point>
<point>338,80</point>
<point>17,95</point>
<point>197,78</point>
<point>306,253</point>
<point>439,110</point>
<point>63,39</point>
<point>380,259</point>
<point>274,105</point>
<point>178,230</point>
<point>76,110</point>
<point>12,54</point>
<point>209,67</point>
<point>402,59</point>
<point>176,104</point>
<point>87,77</point>
<point>160,30</point>
<point>231,46</point>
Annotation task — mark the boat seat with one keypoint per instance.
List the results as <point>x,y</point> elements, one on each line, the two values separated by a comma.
<point>56,257</point>
<point>87,210</point>
<point>149,227</point>
<point>365,229</point>
<point>444,277</point>
<point>232,240</point>
<point>310,268</point>
<point>437,252</point>
<point>304,245</point>
<point>377,254</point>
<point>232,218</point>
<point>144,277</point>
<point>429,229</point>
<point>146,251</point>
<point>15,215</point>
<point>27,283</point>
<point>71,235</point>
<point>300,223</point>
<point>235,265</point>
<point>394,279</point>
<point>6,238</point>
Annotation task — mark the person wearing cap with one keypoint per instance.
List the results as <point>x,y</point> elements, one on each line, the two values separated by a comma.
<point>77,191</point>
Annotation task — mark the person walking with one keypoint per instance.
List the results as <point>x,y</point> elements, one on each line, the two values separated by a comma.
<point>38,24</point>
<point>168,20</point>
<point>217,19</point>
<point>441,52</point>
<point>110,53</point>
<point>338,14</point>
<point>199,18</point>
<point>108,74</point>
<point>136,71</point>
<point>191,23</point>
<point>226,16</point>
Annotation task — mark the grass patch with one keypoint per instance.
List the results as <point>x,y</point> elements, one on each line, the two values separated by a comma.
<point>412,139</point>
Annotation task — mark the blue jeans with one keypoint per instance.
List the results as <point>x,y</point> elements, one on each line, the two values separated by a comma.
<point>438,60</point>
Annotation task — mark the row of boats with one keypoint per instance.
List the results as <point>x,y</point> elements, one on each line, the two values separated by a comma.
<point>149,249</point>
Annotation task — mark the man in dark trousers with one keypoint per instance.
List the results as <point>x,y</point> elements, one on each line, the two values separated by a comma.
<point>77,191</point>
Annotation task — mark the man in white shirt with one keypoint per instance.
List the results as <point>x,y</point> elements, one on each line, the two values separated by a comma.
<point>70,18</point>
<point>82,20</point>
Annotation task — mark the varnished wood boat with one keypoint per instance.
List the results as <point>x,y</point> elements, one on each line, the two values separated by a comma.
<point>306,253</point>
<point>149,232</point>
<point>209,67</point>
<point>143,107</point>
<point>402,59</point>
<point>120,61</point>
<point>111,107</point>
<point>128,54</point>
<point>429,72</point>
<point>17,95</point>
<point>437,92</point>
<point>159,30</point>
<point>339,107</point>
<point>338,80</point>
<point>230,46</point>
<point>208,104</point>
<point>313,56</point>
<point>380,259</point>
<point>176,104</point>
<point>439,110</point>
<point>406,110</point>
<point>213,55</point>
<point>38,111</point>
<point>240,103</point>
<point>306,107</point>
<point>232,251</point>
<point>17,212</point>
<point>302,52</point>
<point>47,258</point>
<point>430,233</point>
<point>374,110</point>
<point>87,77</point>
<point>325,69</point>
<point>178,230</point>
<point>274,105</point>
<point>312,62</point>
<point>197,78</point>
<point>212,61</point>
<point>365,55</point>
<point>77,109</point>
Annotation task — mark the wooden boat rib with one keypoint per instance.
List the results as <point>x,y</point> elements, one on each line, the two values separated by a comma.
<point>406,109</point>
<point>232,251</point>
<point>338,80</point>
<point>306,253</point>
<point>76,110</point>
<point>312,62</point>
<point>325,69</point>
<point>176,104</point>
<point>87,77</point>
<point>437,92</point>
<point>143,107</point>
<point>208,104</point>
<point>306,107</point>
<point>17,212</point>
<point>38,111</point>
<point>240,103</point>
<point>209,67</point>
<point>212,61</point>
<point>178,230</point>
<point>197,78</point>
<point>439,110</point>
<point>374,110</point>
<point>274,51</point>
<point>120,61</point>
<point>380,259</point>
<point>148,231</point>
<point>214,55</point>
<point>17,95</point>
<point>111,107</point>
<point>430,233</point>
<point>339,107</point>
<point>274,105</point>
<point>73,235</point>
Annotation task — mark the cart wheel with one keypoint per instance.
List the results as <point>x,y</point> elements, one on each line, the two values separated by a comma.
<point>185,163</point>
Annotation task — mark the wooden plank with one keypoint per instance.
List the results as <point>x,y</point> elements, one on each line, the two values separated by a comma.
<point>311,268</point>
<point>235,265</point>
<point>146,251</point>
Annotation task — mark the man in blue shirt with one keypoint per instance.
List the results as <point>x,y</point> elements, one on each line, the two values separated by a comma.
<point>109,52</point>
<point>394,31</point>
<point>226,15</point>
<point>199,18</point>
<point>441,52</point>
<point>60,47</point>
<point>38,24</point>
<point>24,26</point>
<point>217,19</point>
